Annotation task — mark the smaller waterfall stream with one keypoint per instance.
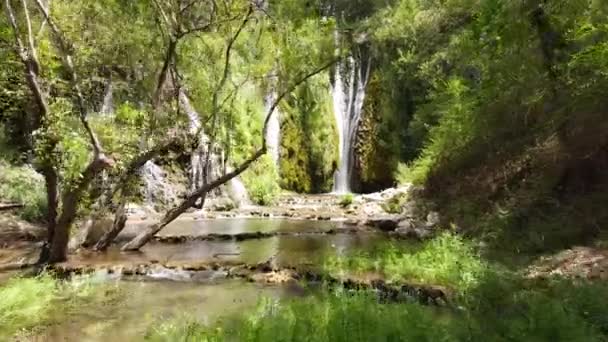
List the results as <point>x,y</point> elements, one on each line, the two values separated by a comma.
<point>216,166</point>
<point>348,92</point>
<point>273,133</point>
<point>107,106</point>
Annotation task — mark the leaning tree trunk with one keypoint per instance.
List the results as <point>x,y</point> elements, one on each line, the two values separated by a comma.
<point>120,219</point>
<point>174,213</point>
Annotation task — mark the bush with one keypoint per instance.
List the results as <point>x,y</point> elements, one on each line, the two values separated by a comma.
<point>24,186</point>
<point>394,205</point>
<point>346,200</point>
<point>261,180</point>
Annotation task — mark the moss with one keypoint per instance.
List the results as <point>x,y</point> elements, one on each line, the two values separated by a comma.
<point>309,143</point>
<point>377,148</point>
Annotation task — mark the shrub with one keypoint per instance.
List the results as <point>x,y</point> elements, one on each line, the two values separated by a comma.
<point>346,200</point>
<point>394,205</point>
<point>261,180</point>
<point>24,186</point>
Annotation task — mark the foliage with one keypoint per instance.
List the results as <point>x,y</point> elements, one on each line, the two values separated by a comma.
<point>394,205</point>
<point>30,303</point>
<point>447,260</point>
<point>346,200</point>
<point>23,185</point>
<point>309,146</point>
<point>261,180</point>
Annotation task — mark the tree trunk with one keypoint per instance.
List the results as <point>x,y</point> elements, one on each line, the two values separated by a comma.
<point>120,219</point>
<point>70,201</point>
<point>51,182</point>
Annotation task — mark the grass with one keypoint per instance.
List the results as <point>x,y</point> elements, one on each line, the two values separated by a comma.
<point>515,315</point>
<point>26,303</point>
<point>493,304</point>
<point>447,260</point>
<point>29,304</point>
<point>20,184</point>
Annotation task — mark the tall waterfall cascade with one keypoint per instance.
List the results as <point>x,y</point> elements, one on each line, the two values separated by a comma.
<point>201,171</point>
<point>107,106</point>
<point>351,76</point>
<point>273,132</point>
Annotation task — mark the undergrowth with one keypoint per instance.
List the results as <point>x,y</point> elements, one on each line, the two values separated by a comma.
<point>23,186</point>
<point>27,305</point>
<point>498,311</point>
<point>447,260</point>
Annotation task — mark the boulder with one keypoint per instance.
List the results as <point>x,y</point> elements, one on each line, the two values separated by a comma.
<point>411,230</point>
<point>432,219</point>
<point>220,204</point>
<point>385,223</point>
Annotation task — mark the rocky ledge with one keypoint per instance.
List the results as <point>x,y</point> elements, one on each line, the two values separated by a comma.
<point>265,273</point>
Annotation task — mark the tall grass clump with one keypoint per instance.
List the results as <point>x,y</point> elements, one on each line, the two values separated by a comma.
<point>340,315</point>
<point>22,185</point>
<point>337,316</point>
<point>26,303</point>
<point>446,260</point>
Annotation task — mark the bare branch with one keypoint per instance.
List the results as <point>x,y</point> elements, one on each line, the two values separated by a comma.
<point>164,15</point>
<point>220,86</point>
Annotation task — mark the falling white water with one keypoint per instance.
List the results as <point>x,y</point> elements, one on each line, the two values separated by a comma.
<point>216,167</point>
<point>273,132</point>
<point>157,188</point>
<point>348,92</point>
<point>197,158</point>
<point>107,107</point>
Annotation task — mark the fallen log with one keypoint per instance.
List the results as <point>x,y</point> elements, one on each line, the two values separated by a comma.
<point>10,206</point>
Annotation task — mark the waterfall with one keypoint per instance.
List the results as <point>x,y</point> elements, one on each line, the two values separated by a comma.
<point>107,107</point>
<point>216,167</point>
<point>348,92</point>
<point>157,188</point>
<point>273,133</point>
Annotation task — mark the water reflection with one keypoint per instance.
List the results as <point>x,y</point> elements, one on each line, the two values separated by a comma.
<point>193,227</point>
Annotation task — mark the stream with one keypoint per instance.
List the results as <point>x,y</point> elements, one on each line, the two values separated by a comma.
<point>167,294</point>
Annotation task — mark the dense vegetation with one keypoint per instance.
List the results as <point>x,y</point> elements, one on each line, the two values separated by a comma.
<point>494,109</point>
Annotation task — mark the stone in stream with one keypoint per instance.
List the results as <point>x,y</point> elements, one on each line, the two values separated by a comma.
<point>414,230</point>
<point>384,223</point>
